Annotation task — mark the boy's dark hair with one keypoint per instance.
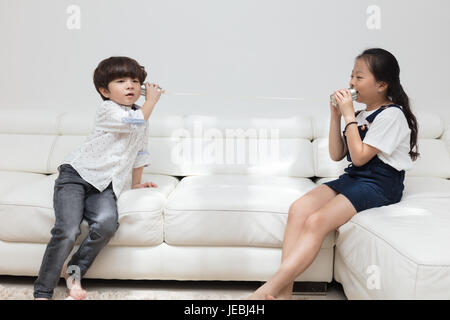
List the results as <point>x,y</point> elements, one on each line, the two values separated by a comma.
<point>117,67</point>
<point>384,67</point>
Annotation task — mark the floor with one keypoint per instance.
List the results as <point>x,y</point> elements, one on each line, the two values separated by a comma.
<point>151,289</point>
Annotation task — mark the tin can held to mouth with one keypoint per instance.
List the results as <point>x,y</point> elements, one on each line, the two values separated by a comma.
<point>144,91</point>
<point>353,92</point>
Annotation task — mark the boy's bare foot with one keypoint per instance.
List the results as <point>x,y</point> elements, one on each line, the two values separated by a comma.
<point>74,289</point>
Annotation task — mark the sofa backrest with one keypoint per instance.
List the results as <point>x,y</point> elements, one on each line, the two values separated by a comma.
<point>434,159</point>
<point>270,141</point>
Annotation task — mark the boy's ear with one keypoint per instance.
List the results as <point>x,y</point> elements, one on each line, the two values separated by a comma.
<point>104,92</point>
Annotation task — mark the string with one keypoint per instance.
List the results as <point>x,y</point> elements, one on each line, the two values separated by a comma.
<point>233,97</point>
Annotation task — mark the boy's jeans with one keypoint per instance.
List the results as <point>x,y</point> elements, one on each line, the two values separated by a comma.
<point>73,200</point>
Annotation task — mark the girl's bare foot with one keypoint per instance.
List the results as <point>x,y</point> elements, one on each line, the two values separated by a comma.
<point>282,297</point>
<point>255,296</point>
<point>258,295</point>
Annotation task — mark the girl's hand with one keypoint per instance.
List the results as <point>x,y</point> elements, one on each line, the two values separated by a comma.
<point>153,92</point>
<point>335,112</point>
<point>145,185</point>
<point>345,102</point>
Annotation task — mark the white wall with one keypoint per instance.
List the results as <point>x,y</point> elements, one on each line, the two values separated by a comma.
<point>285,48</point>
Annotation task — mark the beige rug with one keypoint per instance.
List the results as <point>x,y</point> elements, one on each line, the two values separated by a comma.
<point>26,293</point>
<point>22,293</point>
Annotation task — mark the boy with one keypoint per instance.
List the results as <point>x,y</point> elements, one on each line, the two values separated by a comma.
<point>92,177</point>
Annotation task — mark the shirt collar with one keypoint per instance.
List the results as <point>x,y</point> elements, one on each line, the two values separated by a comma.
<point>134,106</point>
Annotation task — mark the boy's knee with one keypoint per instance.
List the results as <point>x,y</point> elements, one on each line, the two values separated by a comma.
<point>105,230</point>
<point>66,233</point>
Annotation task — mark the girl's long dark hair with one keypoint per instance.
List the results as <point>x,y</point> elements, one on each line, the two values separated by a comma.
<point>384,67</point>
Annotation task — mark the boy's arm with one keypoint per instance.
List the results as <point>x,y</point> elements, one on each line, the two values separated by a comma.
<point>147,109</point>
<point>152,96</point>
<point>137,176</point>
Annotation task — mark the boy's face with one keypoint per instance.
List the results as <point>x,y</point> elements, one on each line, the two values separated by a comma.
<point>124,91</point>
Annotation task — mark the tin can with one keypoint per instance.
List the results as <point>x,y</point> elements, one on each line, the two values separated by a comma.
<point>353,92</point>
<point>144,90</point>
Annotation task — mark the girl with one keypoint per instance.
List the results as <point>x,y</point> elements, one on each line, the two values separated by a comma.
<point>378,141</point>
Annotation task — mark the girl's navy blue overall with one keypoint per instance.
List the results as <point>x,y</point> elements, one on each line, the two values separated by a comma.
<point>374,184</point>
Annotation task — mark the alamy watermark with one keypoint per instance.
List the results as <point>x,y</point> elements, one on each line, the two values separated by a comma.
<point>374,279</point>
<point>75,276</point>
<point>74,18</point>
<point>225,146</point>
<point>374,19</point>
<point>73,22</point>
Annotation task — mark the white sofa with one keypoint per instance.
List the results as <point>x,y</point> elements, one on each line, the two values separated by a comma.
<point>226,182</point>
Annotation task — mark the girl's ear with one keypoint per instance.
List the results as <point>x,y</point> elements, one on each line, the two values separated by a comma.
<point>104,92</point>
<point>382,86</point>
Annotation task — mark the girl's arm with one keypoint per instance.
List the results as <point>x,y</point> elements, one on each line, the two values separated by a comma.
<point>360,152</point>
<point>336,145</point>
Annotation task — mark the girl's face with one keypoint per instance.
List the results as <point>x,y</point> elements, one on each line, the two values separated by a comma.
<point>124,91</point>
<point>369,90</point>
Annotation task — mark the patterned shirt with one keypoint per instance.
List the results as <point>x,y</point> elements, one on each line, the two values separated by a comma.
<point>117,144</point>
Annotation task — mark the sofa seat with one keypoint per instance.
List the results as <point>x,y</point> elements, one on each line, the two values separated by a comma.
<point>233,210</point>
<point>27,215</point>
<point>400,251</point>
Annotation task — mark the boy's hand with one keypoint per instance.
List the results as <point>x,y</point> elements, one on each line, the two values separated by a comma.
<point>145,185</point>
<point>153,92</point>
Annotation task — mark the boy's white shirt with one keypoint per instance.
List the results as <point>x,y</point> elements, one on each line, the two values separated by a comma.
<point>117,144</point>
<point>389,132</point>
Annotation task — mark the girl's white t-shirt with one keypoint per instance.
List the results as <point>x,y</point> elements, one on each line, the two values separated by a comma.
<point>389,133</point>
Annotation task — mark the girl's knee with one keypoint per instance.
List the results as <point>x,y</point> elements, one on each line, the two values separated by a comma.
<point>314,223</point>
<point>300,208</point>
<point>298,205</point>
<point>297,217</point>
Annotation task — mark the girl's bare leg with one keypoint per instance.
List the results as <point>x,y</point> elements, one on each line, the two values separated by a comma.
<point>329,217</point>
<point>299,211</point>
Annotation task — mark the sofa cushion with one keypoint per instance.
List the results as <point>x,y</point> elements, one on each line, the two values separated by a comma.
<point>404,245</point>
<point>399,251</point>
<point>13,179</point>
<point>233,210</point>
<point>26,152</point>
<point>446,137</point>
<point>434,160</point>
<point>27,215</point>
